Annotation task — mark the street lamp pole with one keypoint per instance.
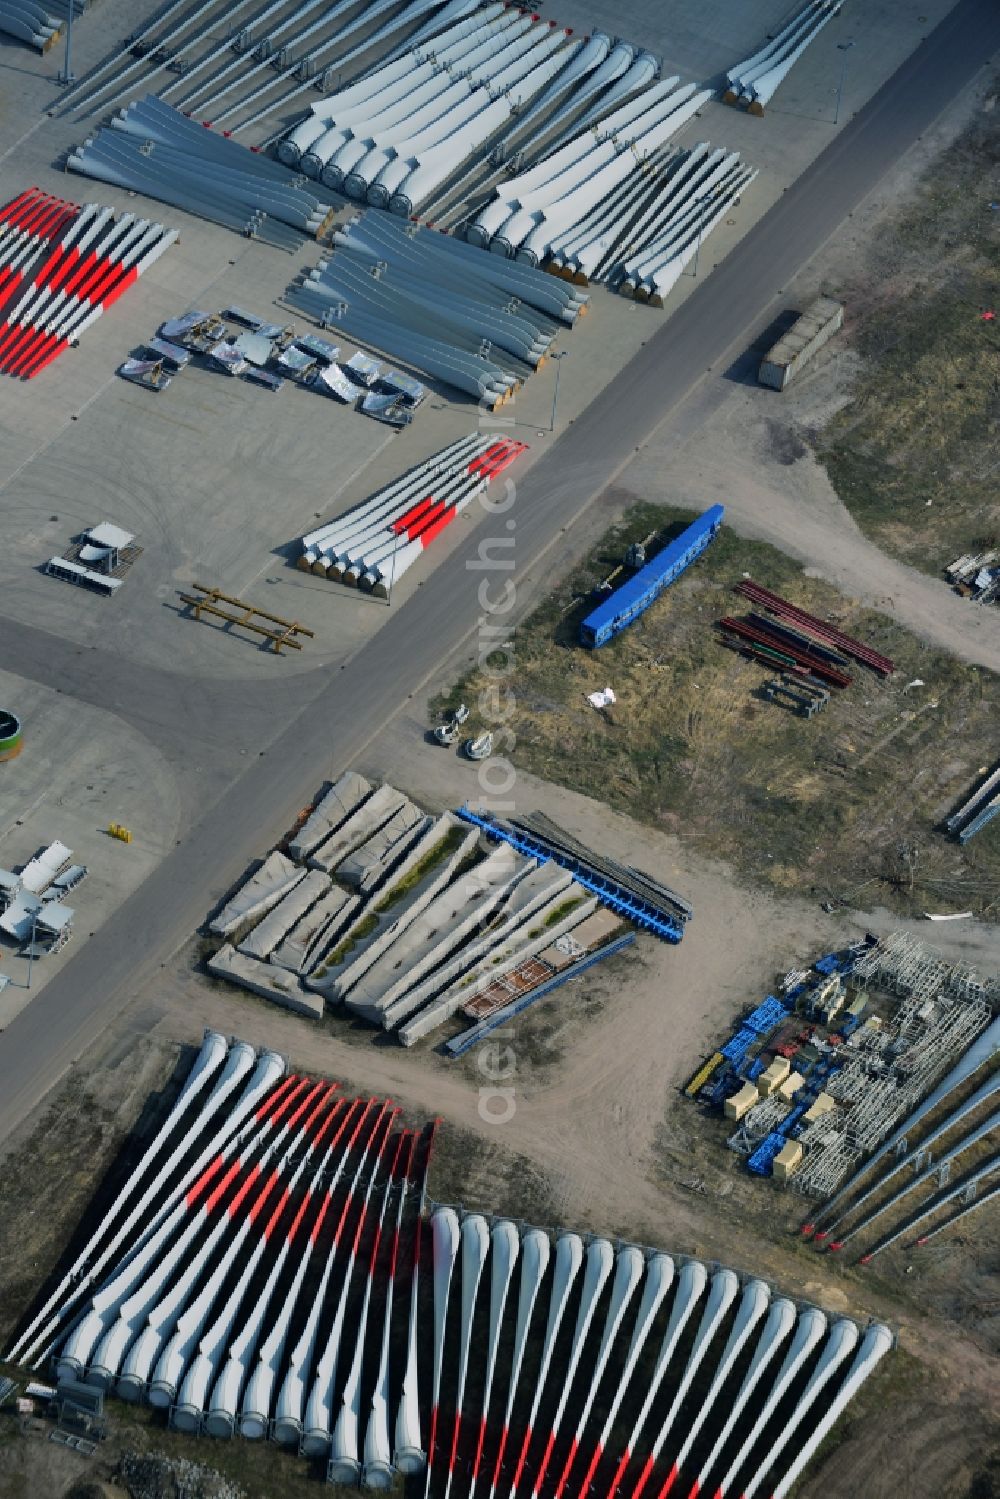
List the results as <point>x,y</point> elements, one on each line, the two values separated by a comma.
<point>705,198</point>
<point>31,949</point>
<point>843,48</point>
<point>392,572</point>
<point>697,253</point>
<point>66,76</point>
<point>555,394</point>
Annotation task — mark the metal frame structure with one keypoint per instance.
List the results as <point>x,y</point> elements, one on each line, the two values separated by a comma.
<point>247,618</point>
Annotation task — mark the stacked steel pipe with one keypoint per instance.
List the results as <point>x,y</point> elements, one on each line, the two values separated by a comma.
<point>818,628</point>
<point>372,545</point>
<point>721,1386</point>
<point>150,148</point>
<point>429,300</point>
<point>69,265</point>
<point>755,80</point>
<point>796,641</point>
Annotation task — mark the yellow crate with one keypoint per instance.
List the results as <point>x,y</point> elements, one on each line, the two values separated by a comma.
<point>704,1073</point>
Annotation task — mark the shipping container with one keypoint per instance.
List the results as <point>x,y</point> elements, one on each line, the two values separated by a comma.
<point>633,598</point>
<point>820,321</point>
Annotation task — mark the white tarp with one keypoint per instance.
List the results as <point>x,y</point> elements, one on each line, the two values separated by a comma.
<point>42,870</point>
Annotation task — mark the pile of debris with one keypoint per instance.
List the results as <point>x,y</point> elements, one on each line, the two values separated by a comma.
<point>976,576</point>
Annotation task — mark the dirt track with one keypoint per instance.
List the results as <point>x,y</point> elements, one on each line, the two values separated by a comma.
<point>740,444</point>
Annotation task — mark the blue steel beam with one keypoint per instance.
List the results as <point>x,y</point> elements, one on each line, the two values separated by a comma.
<point>611,894</point>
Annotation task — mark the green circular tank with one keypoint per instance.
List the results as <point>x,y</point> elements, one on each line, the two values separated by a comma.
<point>10,735</point>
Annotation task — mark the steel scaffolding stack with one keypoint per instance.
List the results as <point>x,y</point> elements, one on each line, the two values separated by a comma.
<point>942,1010</point>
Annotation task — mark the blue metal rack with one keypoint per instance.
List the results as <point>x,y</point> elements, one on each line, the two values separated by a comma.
<point>769,1014</point>
<point>638,911</point>
<point>737,1046</point>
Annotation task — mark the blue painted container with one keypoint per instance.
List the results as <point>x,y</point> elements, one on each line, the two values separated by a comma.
<point>633,598</point>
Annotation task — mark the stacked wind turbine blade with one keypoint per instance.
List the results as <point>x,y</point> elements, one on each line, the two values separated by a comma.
<point>371,112</point>
<point>260,53</point>
<point>414,295</point>
<point>245,1275</point>
<point>398,135</point>
<point>278,70</point>
<point>534,211</point>
<point>565,199</point>
<point>755,80</point>
<point>155,1307</point>
<point>293,47</point>
<point>439,151</point>
<point>31,23</point>
<point>94,260</point>
<point>28,225</point>
<point>446,261</point>
<point>660,228</point>
<point>298,72</point>
<point>392,77</point>
<point>373,544</point>
<point>317,1432</point>
<point>345,1440</point>
<point>589,66</point>
<point>99,1248</point>
<point>441,102</point>
<point>152,149</point>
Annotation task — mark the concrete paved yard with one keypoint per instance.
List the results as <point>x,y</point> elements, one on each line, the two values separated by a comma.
<point>218,478</point>
<point>79,770</point>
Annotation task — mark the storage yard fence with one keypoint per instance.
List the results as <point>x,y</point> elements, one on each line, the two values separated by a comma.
<point>409,920</point>
<point>271,1266</point>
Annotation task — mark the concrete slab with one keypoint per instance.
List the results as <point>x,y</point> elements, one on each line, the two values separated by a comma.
<point>289,910</point>
<point>80,770</point>
<point>367,865</point>
<point>314,930</point>
<point>274,878</point>
<point>335,804</point>
<point>265,979</point>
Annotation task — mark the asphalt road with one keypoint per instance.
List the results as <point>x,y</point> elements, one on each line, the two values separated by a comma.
<point>343,712</point>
